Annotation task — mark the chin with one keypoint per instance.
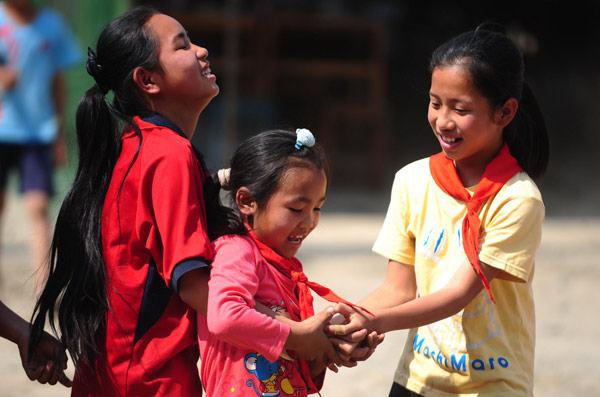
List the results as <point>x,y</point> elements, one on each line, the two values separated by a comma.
<point>288,254</point>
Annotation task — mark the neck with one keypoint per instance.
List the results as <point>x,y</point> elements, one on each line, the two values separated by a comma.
<point>470,170</point>
<point>184,115</point>
<point>469,174</point>
<point>183,119</point>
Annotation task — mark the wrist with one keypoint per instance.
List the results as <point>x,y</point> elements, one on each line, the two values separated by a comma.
<point>294,339</point>
<point>378,323</point>
<point>19,334</point>
<point>316,369</point>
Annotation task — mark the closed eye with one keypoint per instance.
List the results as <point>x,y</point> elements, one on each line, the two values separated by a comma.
<point>184,46</point>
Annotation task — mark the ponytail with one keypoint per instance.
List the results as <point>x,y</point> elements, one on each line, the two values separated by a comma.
<point>527,136</point>
<point>75,291</point>
<point>77,282</point>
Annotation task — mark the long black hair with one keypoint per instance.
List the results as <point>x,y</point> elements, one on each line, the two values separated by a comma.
<point>261,161</point>
<point>495,67</point>
<point>76,285</point>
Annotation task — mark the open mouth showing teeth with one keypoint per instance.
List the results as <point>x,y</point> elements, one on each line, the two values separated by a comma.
<point>296,239</point>
<point>449,140</point>
<point>206,72</point>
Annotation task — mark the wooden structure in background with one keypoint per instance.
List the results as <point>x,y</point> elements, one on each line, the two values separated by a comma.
<point>325,73</point>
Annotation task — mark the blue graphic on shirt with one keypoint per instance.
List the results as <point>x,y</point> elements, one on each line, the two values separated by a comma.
<point>445,249</point>
<point>268,374</point>
<point>457,362</point>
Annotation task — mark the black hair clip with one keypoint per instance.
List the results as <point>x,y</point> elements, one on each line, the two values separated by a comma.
<point>94,69</point>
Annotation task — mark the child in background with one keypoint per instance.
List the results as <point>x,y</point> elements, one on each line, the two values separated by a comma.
<point>462,230</point>
<point>278,182</point>
<point>36,47</point>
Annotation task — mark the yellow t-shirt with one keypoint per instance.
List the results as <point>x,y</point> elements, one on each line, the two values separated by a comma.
<point>485,349</point>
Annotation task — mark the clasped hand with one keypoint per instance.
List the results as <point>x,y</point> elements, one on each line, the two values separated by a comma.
<point>319,341</point>
<point>350,332</point>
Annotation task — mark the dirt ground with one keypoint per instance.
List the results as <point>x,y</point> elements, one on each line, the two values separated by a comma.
<point>338,255</point>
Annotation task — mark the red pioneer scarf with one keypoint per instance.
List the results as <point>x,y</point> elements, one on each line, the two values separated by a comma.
<point>292,268</point>
<point>503,167</point>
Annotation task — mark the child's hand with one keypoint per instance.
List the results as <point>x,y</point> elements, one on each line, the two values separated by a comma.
<point>48,360</point>
<point>355,320</point>
<point>350,327</point>
<point>352,352</point>
<point>309,341</point>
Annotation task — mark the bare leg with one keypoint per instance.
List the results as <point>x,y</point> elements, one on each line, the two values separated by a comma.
<point>37,203</point>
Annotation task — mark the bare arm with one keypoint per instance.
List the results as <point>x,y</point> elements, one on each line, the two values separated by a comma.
<point>193,289</point>
<point>460,290</point>
<point>58,94</point>
<point>8,77</point>
<point>399,286</point>
<point>48,360</point>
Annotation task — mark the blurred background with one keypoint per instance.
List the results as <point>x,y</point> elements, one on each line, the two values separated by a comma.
<point>356,74</point>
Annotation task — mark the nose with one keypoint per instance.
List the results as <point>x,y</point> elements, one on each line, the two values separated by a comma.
<point>310,220</point>
<point>201,52</point>
<point>444,121</point>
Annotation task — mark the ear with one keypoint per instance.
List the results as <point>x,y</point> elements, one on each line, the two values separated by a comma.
<point>144,80</point>
<point>245,202</point>
<point>507,112</point>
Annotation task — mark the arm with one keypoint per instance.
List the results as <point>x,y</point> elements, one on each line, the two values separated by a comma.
<point>58,94</point>
<point>512,237</point>
<point>193,289</point>
<point>308,338</point>
<point>8,78</point>
<point>460,290</point>
<point>231,315</point>
<point>399,286</point>
<point>48,360</point>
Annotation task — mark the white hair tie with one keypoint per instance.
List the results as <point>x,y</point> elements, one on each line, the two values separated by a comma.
<point>223,175</point>
<point>304,138</point>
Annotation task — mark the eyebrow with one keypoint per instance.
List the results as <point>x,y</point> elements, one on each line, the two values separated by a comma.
<point>306,199</point>
<point>459,100</point>
<point>181,35</point>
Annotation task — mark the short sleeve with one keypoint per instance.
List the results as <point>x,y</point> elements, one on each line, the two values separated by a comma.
<point>512,236</point>
<point>234,282</point>
<point>395,241</point>
<point>172,186</point>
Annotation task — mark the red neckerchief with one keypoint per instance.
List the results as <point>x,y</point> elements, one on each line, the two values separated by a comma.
<point>292,268</point>
<point>503,167</point>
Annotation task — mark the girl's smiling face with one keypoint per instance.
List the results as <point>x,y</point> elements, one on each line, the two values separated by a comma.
<point>468,129</point>
<point>292,212</point>
<point>185,75</point>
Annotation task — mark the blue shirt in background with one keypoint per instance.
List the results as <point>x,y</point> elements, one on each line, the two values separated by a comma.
<point>37,51</point>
